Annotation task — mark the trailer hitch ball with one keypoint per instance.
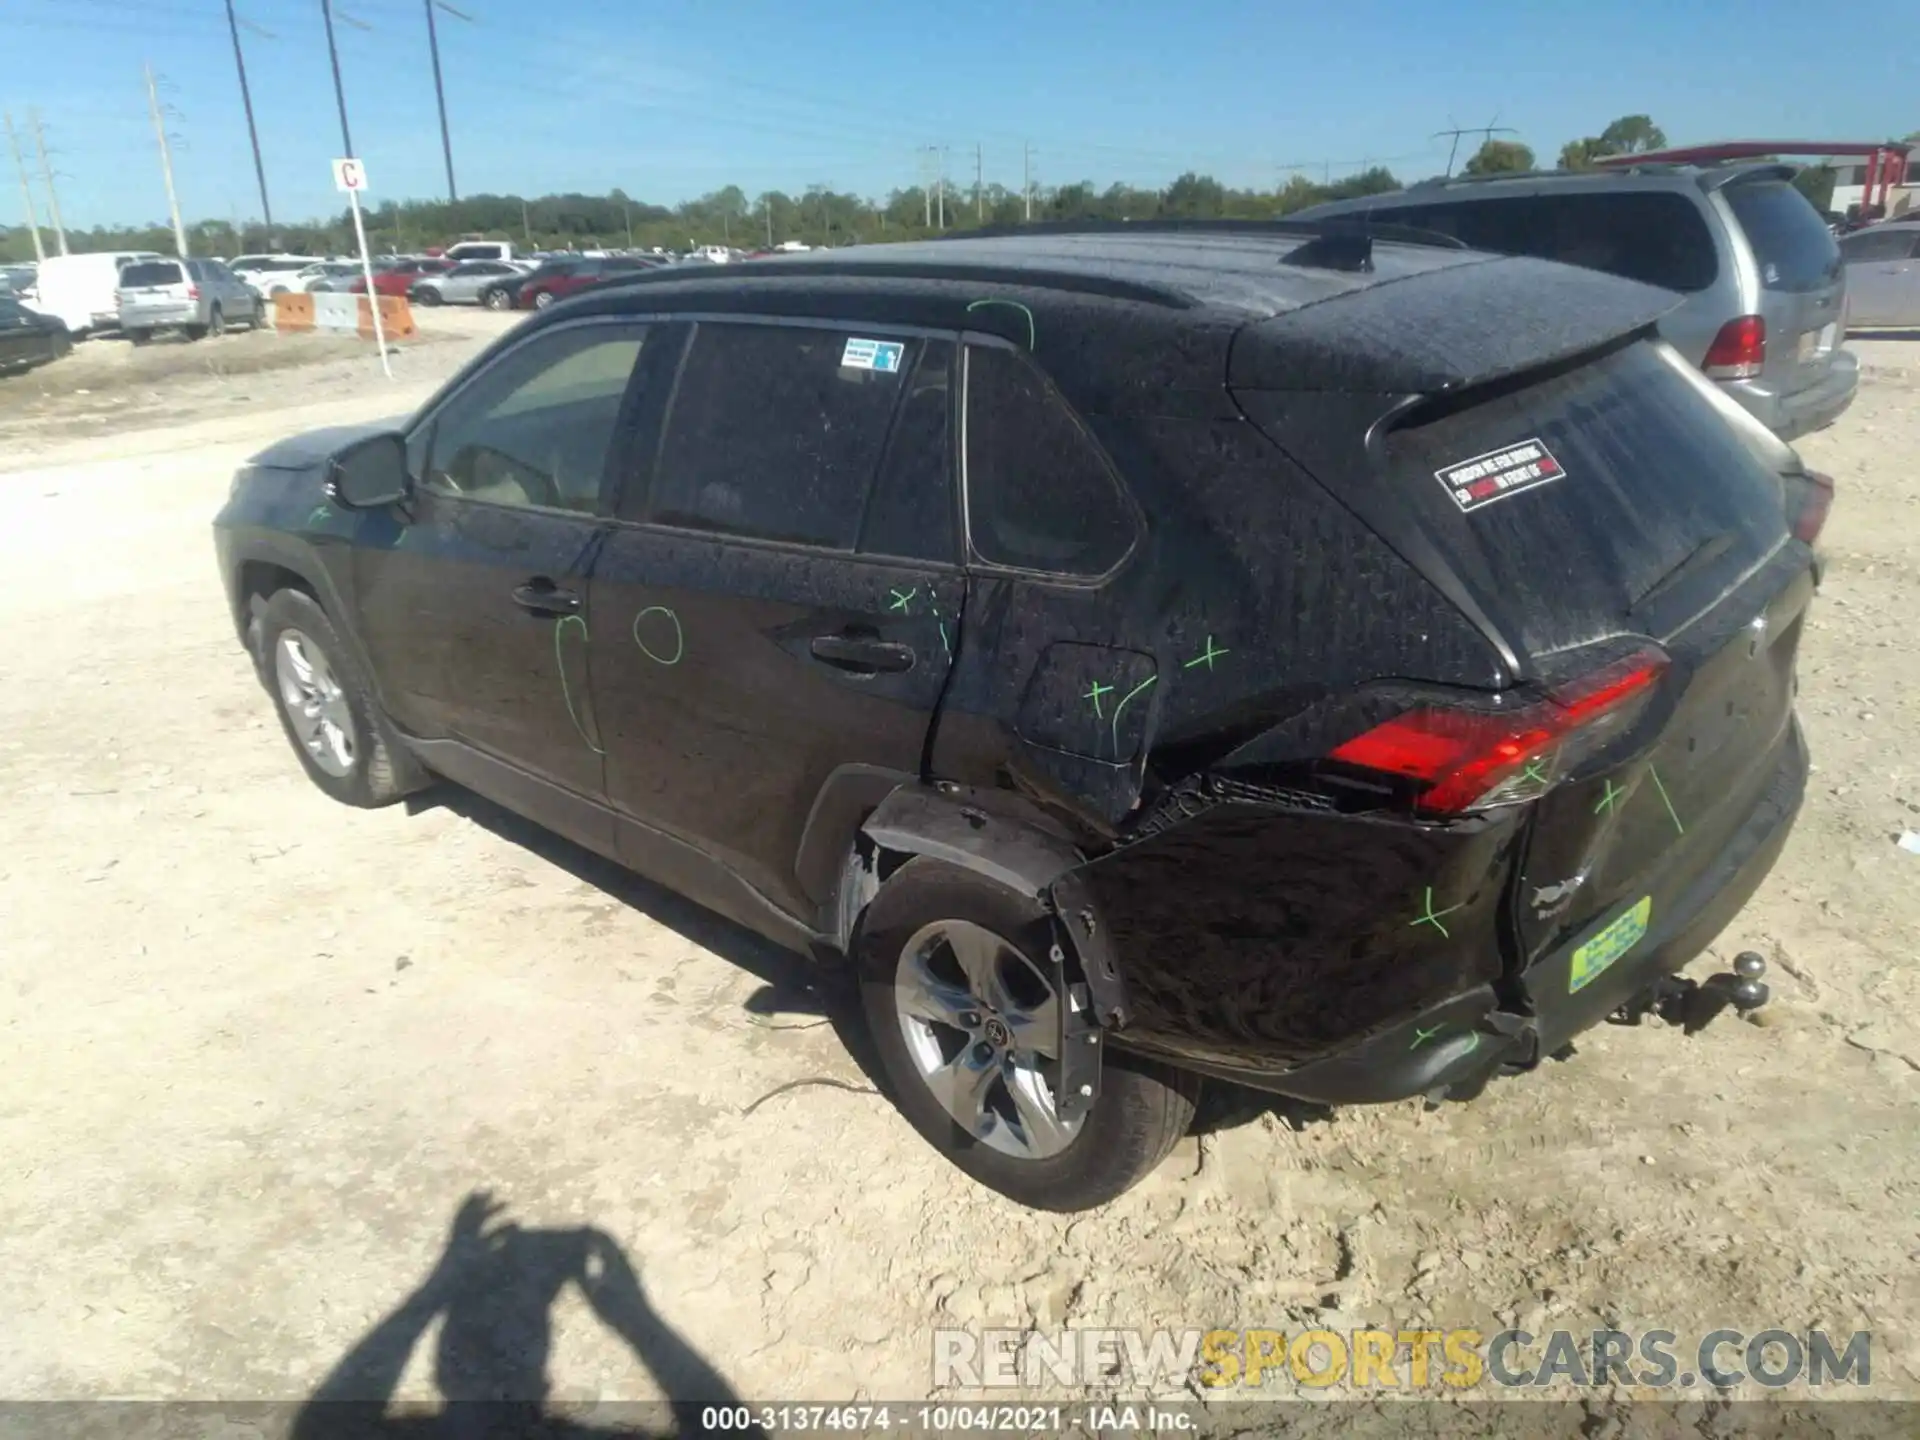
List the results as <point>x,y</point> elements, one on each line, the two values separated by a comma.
<point>1750,992</point>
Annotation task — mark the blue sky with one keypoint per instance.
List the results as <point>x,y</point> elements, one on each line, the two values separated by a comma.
<point>671,98</point>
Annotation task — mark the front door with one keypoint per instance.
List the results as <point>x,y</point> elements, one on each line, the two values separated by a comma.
<point>775,613</point>
<point>474,605</point>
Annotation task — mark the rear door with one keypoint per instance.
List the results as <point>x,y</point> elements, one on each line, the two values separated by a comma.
<point>473,607</point>
<point>774,616</point>
<point>152,289</point>
<point>1597,510</point>
<point>1802,282</point>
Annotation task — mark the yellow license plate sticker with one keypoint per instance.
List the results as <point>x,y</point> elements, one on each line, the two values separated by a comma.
<point>1593,958</point>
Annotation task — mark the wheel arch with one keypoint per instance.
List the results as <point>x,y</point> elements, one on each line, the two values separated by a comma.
<point>993,835</point>
<point>266,564</point>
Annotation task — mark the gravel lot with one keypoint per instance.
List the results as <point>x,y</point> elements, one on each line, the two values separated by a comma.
<point>259,1048</point>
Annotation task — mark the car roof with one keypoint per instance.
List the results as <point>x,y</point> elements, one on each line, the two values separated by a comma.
<point>1247,270</point>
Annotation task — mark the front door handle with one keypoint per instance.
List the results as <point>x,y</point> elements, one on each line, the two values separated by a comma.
<point>860,656</point>
<point>540,596</point>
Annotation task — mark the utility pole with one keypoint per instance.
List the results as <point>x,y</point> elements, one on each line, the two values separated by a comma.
<point>253,132</point>
<point>626,214</point>
<point>1026,177</point>
<point>26,191</point>
<point>439,91</point>
<point>526,226</point>
<point>941,187</point>
<point>46,174</point>
<point>766,208</point>
<point>927,172</point>
<point>339,92</point>
<point>979,194</point>
<point>166,165</point>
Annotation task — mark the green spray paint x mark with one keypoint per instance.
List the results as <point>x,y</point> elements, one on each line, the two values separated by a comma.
<point>1610,801</point>
<point>1122,706</point>
<point>1206,657</point>
<point>1420,1037</point>
<point>903,600</point>
<point>1671,815</point>
<point>1094,692</point>
<point>1533,771</point>
<point>1033,332</point>
<point>1432,916</point>
<point>560,664</point>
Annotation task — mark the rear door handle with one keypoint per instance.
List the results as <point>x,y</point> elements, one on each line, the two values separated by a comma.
<point>859,656</point>
<point>541,597</point>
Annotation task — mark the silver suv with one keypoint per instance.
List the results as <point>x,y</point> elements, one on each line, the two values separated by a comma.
<point>196,297</point>
<point>1763,290</point>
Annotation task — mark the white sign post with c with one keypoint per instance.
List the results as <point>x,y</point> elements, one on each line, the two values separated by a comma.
<point>350,175</point>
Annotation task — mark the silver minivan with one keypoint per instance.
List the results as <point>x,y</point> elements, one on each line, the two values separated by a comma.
<point>1763,290</point>
<point>196,297</point>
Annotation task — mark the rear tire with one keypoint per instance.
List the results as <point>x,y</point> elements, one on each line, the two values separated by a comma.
<point>140,337</point>
<point>326,708</point>
<point>429,297</point>
<point>216,322</point>
<point>497,300</point>
<point>911,941</point>
<point>543,300</point>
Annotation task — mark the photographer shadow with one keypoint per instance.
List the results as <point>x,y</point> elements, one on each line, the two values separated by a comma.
<point>493,1292</point>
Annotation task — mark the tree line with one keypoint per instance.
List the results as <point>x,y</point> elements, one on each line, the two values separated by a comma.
<point>822,216</point>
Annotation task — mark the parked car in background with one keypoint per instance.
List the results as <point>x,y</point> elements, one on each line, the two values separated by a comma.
<point>28,338</point>
<point>327,276</point>
<point>1763,291</point>
<point>1418,697</point>
<point>568,277</point>
<point>1883,275</point>
<point>82,291</point>
<point>464,283</point>
<point>271,275</point>
<point>397,276</point>
<point>196,297</point>
<point>16,280</point>
<point>478,250</point>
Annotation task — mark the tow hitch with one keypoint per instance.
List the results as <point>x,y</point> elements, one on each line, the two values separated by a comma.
<point>1694,1004</point>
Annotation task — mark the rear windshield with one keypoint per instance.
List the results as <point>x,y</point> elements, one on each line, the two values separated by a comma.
<point>151,273</point>
<point>1649,235</point>
<point>1792,244</point>
<point>1644,472</point>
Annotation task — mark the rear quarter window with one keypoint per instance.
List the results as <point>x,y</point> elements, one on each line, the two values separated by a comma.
<point>1791,243</point>
<point>1653,236</point>
<point>151,273</point>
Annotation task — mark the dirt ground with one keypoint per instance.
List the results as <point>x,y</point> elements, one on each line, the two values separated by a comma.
<point>256,1049</point>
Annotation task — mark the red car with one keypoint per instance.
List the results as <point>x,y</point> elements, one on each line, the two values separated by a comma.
<point>397,277</point>
<point>558,279</point>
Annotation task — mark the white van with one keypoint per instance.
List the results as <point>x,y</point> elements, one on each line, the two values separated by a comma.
<point>479,250</point>
<point>81,290</point>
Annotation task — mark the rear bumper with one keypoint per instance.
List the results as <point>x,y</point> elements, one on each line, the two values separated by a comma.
<point>149,317</point>
<point>1458,1043</point>
<point>1799,412</point>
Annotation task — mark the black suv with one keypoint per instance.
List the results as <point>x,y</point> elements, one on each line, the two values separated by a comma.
<point>1340,665</point>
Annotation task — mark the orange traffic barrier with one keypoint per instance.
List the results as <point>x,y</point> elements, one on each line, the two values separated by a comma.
<point>292,312</point>
<point>396,318</point>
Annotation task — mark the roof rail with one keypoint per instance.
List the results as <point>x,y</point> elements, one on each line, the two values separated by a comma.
<point>798,267</point>
<point>1279,226</point>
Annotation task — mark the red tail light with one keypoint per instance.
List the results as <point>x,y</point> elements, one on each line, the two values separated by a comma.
<point>193,292</point>
<point>1472,759</point>
<point>1739,351</point>
<point>1815,501</point>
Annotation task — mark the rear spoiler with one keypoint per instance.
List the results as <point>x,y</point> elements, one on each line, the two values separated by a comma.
<point>1444,329</point>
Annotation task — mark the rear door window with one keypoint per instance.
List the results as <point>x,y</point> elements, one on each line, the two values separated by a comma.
<point>775,431</point>
<point>1644,473</point>
<point>151,272</point>
<point>1880,245</point>
<point>1040,494</point>
<point>1653,236</point>
<point>911,512</point>
<point>1791,243</point>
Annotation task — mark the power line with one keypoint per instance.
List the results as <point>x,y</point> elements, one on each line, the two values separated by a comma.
<point>1485,132</point>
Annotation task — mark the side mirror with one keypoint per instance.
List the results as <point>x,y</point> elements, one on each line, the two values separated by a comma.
<point>370,473</point>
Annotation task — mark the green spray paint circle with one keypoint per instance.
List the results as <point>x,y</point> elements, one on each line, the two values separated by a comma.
<point>679,636</point>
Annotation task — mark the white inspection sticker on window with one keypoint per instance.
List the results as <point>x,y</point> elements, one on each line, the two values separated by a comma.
<point>884,355</point>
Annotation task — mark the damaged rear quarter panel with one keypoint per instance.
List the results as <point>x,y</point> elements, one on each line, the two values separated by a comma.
<point>1265,936</point>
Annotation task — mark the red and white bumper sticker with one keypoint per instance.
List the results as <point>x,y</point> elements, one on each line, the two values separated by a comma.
<point>1498,474</point>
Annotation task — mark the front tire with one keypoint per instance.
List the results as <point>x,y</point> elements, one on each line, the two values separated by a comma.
<point>325,706</point>
<point>955,985</point>
<point>497,300</point>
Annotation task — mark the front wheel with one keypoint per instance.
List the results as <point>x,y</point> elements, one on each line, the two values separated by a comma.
<point>217,322</point>
<point>958,994</point>
<point>497,300</point>
<point>325,707</point>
